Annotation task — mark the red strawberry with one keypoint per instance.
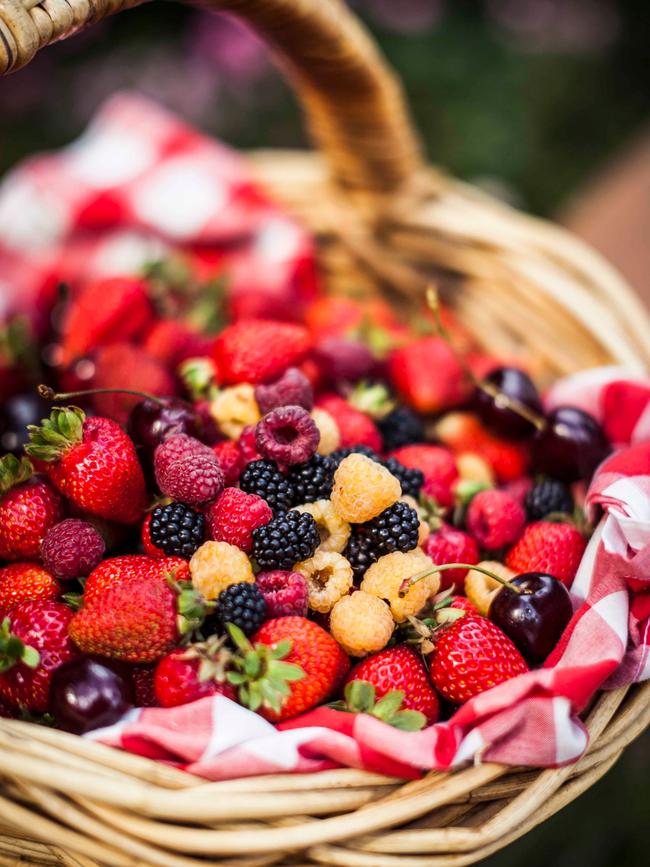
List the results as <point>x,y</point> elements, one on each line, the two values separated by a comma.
<point>448,545</point>
<point>400,668</point>
<point>234,515</point>
<point>438,466</point>
<point>29,506</point>
<point>462,603</point>
<point>34,642</point>
<point>92,462</point>
<point>258,350</point>
<point>189,673</point>
<point>230,460</point>
<point>145,537</point>
<point>355,427</point>
<point>544,546</point>
<point>473,655</point>
<point>495,519</point>
<point>427,375</point>
<point>109,310</point>
<point>25,582</point>
<point>170,342</point>
<point>128,567</point>
<point>463,432</point>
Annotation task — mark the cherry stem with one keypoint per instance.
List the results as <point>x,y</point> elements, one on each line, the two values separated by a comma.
<point>503,400</point>
<point>408,582</point>
<point>49,394</point>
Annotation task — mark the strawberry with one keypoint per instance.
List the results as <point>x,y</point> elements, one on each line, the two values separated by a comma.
<point>171,342</point>
<point>340,316</point>
<point>471,656</point>
<point>29,506</point>
<point>355,427</point>
<point>258,350</point>
<point>34,641</point>
<point>25,582</point>
<point>145,538</point>
<point>399,668</point>
<point>438,466</point>
<point>92,462</point>
<point>449,545</point>
<point>544,546</point>
<point>462,432</point>
<point>427,375</point>
<point>129,567</point>
<point>291,665</point>
<point>108,310</point>
<point>189,673</point>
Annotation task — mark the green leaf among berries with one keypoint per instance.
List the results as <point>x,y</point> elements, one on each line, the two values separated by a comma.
<point>360,697</point>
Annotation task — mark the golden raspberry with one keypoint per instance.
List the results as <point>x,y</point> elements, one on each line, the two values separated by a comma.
<point>235,408</point>
<point>474,468</point>
<point>361,623</point>
<point>481,589</point>
<point>333,530</point>
<point>386,579</point>
<point>217,565</point>
<point>330,437</point>
<point>424,531</point>
<point>328,576</point>
<point>363,489</point>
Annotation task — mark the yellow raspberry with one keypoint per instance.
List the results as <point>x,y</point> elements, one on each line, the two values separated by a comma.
<point>387,579</point>
<point>235,408</point>
<point>361,623</point>
<point>330,437</point>
<point>334,531</point>
<point>474,468</point>
<point>217,565</point>
<point>328,576</point>
<point>481,589</point>
<point>424,531</point>
<point>363,488</point>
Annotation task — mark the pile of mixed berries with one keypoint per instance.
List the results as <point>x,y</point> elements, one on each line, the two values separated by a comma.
<point>335,509</point>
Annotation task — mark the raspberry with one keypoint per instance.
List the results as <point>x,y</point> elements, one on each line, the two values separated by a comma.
<point>217,565</point>
<point>395,529</point>
<point>400,427</point>
<point>495,519</point>
<point>448,545</point>
<point>291,389</point>
<point>312,480</point>
<point>248,446</point>
<point>363,489</point>
<point>243,605</point>
<point>410,479</point>
<point>285,540</point>
<point>285,593</point>
<point>387,579</point>
<point>176,447</point>
<point>330,438</point>
<point>546,497</point>
<point>481,589</point>
<point>234,515</point>
<point>287,435</point>
<point>265,479</point>
<point>176,529</point>
<point>334,532</point>
<point>195,479</point>
<point>230,460</point>
<point>361,623</point>
<point>72,549</point>
<point>328,576</point>
<point>234,408</point>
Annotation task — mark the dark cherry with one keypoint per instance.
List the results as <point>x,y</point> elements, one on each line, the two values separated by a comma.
<point>571,445</point>
<point>493,410</point>
<point>535,618</point>
<point>89,693</point>
<point>16,413</point>
<point>150,422</point>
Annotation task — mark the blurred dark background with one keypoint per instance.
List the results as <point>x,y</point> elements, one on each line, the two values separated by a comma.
<point>544,102</point>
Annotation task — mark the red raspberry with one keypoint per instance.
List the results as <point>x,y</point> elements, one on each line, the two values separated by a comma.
<point>176,447</point>
<point>292,389</point>
<point>248,445</point>
<point>230,460</point>
<point>234,515</point>
<point>448,545</point>
<point>287,435</point>
<point>495,519</point>
<point>188,471</point>
<point>285,593</point>
<point>72,549</point>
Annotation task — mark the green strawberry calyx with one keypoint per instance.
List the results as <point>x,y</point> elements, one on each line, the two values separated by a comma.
<point>215,659</point>
<point>371,398</point>
<point>261,675</point>
<point>13,471</point>
<point>199,378</point>
<point>13,649</point>
<point>360,697</point>
<point>57,434</point>
<point>192,608</point>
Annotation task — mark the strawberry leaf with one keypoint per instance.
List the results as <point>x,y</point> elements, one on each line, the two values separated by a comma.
<point>13,471</point>
<point>56,434</point>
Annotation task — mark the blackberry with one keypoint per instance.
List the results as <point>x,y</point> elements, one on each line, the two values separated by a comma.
<point>244,605</point>
<point>400,427</point>
<point>395,529</point>
<point>548,496</point>
<point>410,479</point>
<point>177,529</point>
<point>265,479</point>
<point>286,540</point>
<point>360,554</point>
<point>338,455</point>
<point>312,480</point>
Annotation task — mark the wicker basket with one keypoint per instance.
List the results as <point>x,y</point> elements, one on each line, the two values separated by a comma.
<point>383,222</point>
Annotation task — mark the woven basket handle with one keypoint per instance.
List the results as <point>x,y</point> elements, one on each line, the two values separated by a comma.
<point>354,105</point>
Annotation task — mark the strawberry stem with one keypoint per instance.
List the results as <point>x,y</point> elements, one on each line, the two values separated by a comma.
<point>408,582</point>
<point>49,394</point>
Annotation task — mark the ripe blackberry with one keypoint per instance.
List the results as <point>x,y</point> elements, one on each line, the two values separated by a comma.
<point>546,497</point>
<point>338,455</point>
<point>312,480</point>
<point>400,427</point>
<point>286,540</point>
<point>177,529</point>
<point>265,479</point>
<point>244,605</point>
<point>409,478</point>
<point>360,554</point>
<point>395,529</point>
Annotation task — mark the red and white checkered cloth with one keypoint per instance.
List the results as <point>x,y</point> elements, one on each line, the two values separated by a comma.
<point>138,183</point>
